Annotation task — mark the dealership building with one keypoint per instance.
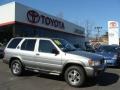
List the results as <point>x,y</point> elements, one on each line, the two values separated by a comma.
<point>17,20</point>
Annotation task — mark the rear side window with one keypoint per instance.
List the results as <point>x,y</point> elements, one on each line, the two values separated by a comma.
<point>28,44</point>
<point>14,43</point>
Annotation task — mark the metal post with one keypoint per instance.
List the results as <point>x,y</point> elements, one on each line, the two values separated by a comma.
<point>98,30</point>
<point>13,31</point>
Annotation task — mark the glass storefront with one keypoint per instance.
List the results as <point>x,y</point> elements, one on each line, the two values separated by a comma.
<point>6,33</point>
<point>25,30</point>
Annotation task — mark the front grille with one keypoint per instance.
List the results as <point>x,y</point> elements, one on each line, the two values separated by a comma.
<point>102,61</point>
<point>118,58</point>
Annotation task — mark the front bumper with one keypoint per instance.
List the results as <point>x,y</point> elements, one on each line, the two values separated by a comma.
<point>112,62</point>
<point>95,71</point>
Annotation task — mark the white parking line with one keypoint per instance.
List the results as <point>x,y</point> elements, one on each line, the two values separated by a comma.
<point>13,78</point>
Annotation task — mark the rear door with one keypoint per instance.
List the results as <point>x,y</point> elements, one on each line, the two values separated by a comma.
<point>27,53</point>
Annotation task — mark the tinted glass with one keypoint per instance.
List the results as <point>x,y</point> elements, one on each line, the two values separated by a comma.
<point>28,45</point>
<point>14,43</point>
<point>108,48</point>
<point>30,31</point>
<point>64,45</point>
<point>46,46</point>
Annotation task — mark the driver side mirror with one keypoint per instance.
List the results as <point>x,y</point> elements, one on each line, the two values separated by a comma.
<point>55,51</point>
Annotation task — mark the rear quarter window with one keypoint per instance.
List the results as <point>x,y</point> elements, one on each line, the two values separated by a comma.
<point>13,44</point>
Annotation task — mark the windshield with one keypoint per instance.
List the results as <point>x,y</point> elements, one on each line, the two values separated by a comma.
<point>64,45</point>
<point>108,48</point>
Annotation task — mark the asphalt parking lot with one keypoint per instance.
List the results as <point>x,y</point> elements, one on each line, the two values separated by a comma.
<point>36,81</point>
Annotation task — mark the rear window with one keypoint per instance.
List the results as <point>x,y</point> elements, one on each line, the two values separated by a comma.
<point>14,43</point>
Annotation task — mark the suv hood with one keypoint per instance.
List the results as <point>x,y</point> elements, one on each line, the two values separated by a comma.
<point>90,55</point>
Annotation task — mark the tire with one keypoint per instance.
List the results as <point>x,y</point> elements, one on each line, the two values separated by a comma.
<point>75,76</point>
<point>16,68</point>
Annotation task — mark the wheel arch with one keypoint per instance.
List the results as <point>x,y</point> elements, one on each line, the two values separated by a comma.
<point>72,64</point>
<point>14,58</point>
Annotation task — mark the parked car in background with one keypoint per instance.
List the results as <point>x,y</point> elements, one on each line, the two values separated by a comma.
<point>111,54</point>
<point>53,56</point>
<point>2,47</point>
<point>89,48</point>
<point>1,53</point>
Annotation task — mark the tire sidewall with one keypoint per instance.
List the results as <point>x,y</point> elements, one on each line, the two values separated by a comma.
<point>80,71</point>
<point>21,69</point>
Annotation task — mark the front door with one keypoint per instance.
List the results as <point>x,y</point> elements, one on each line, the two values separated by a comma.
<point>47,59</point>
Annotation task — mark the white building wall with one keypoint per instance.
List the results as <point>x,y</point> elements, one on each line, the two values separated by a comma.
<point>7,13</point>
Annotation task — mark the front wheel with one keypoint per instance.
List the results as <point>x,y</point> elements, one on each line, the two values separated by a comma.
<point>16,68</point>
<point>75,76</point>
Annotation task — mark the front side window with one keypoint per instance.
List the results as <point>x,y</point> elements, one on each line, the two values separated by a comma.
<point>46,46</point>
<point>28,44</point>
<point>14,43</point>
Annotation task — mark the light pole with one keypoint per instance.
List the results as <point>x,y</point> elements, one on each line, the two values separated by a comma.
<point>98,32</point>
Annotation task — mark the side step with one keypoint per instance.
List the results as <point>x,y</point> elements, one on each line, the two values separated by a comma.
<point>43,71</point>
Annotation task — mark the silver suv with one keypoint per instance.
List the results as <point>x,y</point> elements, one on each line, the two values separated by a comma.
<point>53,56</point>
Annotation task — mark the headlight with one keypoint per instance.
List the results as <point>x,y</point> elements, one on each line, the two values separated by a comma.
<point>96,63</point>
<point>93,63</point>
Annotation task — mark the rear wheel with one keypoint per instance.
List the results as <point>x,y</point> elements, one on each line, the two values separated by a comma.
<point>16,68</point>
<point>75,76</point>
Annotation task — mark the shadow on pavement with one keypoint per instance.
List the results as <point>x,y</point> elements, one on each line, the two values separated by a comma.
<point>105,79</point>
<point>29,73</point>
<point>114,67</point>
<point>43,75</point>
<point>53,77</point>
